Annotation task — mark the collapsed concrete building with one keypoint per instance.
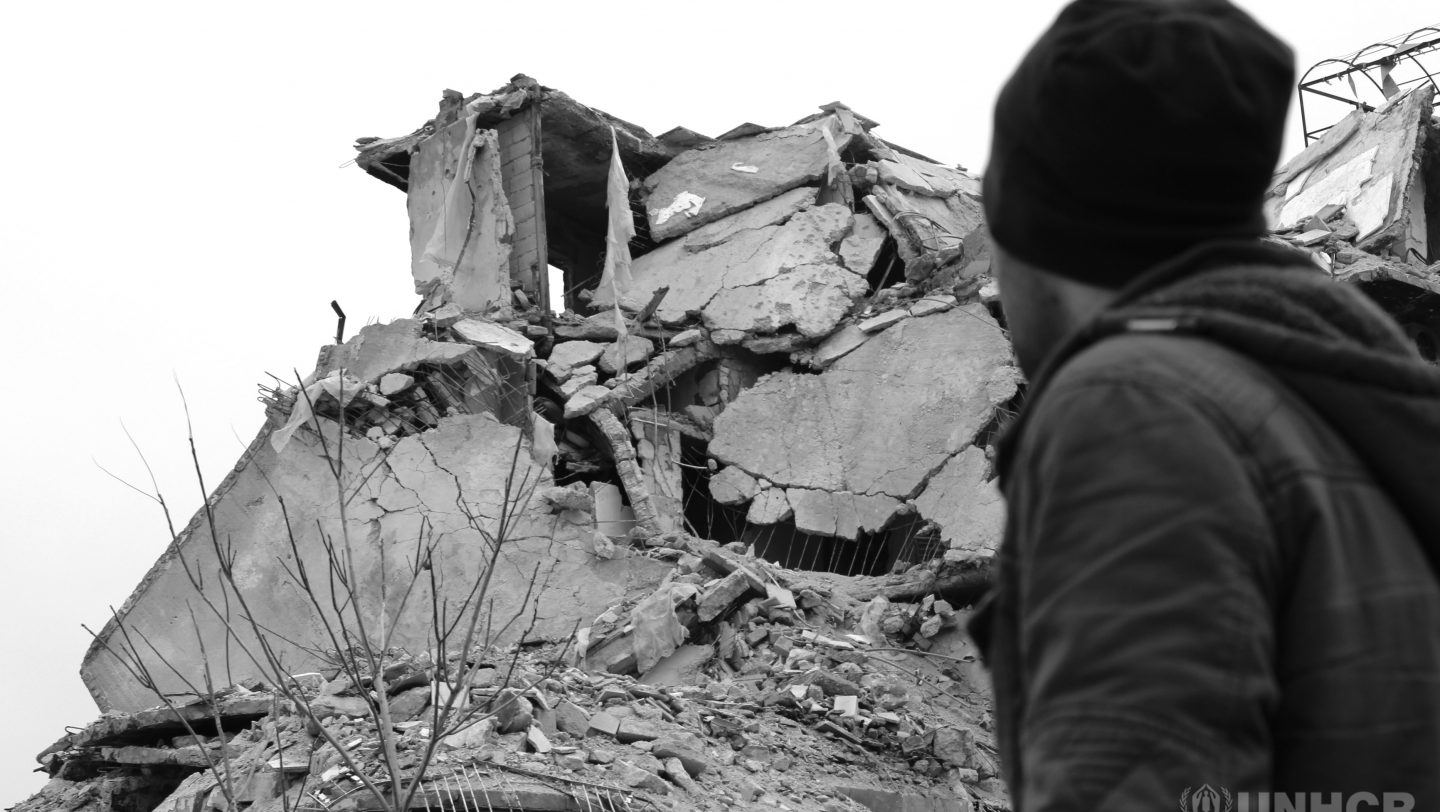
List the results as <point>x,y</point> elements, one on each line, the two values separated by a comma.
<point>757,462</point>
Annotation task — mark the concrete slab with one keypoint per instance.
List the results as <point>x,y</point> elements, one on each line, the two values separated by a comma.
<point>759,280</point>
<point>880,421</point>
<point>400,494</point>
<point>769,506</point>
<point>732,486</point>
<point>703,185</point>
<point>496,337</point>
<point>840,513</point>
<point>862,245</point>
<point>631,352</point>
<point>770,213</point>
<point>568,356</point>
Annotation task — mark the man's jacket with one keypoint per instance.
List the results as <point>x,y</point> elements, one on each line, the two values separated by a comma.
<point>1220,566</point>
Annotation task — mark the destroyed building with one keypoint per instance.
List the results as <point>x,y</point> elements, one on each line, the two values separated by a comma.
<point>733,483</point>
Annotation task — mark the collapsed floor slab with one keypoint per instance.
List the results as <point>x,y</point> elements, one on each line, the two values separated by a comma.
<point>878,423</point>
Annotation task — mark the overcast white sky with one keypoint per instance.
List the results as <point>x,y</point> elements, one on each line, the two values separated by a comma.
<point>176,205</point>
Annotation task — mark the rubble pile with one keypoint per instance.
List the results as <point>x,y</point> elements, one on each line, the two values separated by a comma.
<point>728,489</point>
<point>771,703</point>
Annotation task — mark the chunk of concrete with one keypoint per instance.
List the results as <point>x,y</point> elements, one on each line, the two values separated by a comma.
<point>394,383</point>
<point>839,344</point>
<point>968,509</point>
<point>770,213</point>
<point>875,324</point>
<point>879,421</point>
<point>495,337</point>
<point>840,513</point>
<point>812,298</point>
<point>579,378</point>
<point>569,355</point>
<point>750,271</point>
<point>732,486</point>
<point>382,348</point>
<point>933,303</point>
<point>769,507</point>
<point>679,667</point>
<point>703,185</point>
<point>860,248</point>
<point>628,353</point>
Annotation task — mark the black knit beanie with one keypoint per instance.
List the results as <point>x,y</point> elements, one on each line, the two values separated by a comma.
<point>1133,130</point>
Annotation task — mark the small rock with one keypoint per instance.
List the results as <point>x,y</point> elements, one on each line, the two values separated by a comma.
<point>572,763</point>
<point>580,378</point>
<point>834,685</point>
<point>720,596</point>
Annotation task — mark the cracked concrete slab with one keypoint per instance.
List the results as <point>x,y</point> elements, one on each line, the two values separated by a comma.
<point>840,513</point>
<point>396,496</point>
<point>632,352</point>
<point>381,348</point>
<point>569,356</point>
<point>703,185</point>
<point>760,280</point>
<point>881,421</point>
<point>770,213</point>
<point>966,506</point>
<point>769,506</point>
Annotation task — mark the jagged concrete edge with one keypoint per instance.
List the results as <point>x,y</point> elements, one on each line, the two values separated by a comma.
<point>171,552</point>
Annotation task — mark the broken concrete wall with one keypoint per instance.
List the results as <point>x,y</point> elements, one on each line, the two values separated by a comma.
<point>405,482</point>
<point>461,227</point>
<point>1370,164</point>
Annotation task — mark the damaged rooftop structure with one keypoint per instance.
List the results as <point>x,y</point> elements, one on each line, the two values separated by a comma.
<point>730,482</point>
